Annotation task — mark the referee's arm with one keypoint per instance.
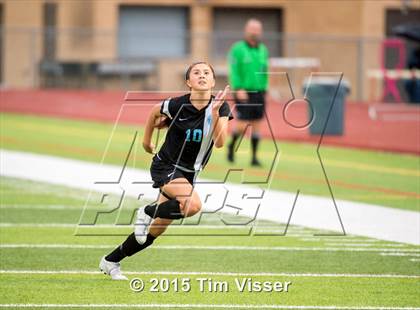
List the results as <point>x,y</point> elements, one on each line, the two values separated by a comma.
<point>234,57</point>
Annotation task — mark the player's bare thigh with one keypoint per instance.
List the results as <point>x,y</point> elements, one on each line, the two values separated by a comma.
<point>188,198</point>
<point>182,190</point>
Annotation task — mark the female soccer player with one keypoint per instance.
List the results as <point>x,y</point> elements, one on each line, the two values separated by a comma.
<point>197,121</point>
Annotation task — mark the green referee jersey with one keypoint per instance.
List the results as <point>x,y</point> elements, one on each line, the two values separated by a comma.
<point>248,66</point>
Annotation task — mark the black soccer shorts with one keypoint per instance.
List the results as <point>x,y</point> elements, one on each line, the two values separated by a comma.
<point>253,109</point>
<point>163,172</point>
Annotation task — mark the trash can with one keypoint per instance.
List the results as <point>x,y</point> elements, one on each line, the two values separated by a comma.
<point>320,94</point>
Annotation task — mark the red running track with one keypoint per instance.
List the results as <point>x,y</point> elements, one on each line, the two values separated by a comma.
<point>395,128</point>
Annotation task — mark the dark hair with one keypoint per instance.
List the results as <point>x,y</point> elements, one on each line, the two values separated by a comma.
<point>187,74</point>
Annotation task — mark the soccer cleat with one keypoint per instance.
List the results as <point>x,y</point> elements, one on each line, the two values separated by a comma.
<point>112,269</point>
<point>141,227</point>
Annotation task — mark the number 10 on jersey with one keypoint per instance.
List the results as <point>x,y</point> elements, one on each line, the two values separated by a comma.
<point>197,135</point>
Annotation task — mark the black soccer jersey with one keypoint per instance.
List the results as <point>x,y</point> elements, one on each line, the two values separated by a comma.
<point>189,140</point>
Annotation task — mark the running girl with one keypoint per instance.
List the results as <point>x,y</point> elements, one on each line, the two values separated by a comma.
<point>197,121</point>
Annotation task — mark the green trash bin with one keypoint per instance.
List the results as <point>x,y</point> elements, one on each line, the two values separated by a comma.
<point>320,95</point>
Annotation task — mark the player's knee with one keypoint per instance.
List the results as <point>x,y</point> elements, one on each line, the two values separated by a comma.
<point>193,207</point>
<point>197,206</point>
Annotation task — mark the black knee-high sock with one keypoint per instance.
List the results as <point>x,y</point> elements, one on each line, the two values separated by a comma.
<point>166,210</point>
<point>129,247</point>
<point>255,139</point>
<point>231,146</point>
<point>235,137</point>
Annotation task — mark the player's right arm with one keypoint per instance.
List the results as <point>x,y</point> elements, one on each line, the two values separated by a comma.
<point>155,120</point>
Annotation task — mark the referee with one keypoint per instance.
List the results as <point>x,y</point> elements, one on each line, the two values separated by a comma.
<point>248,65</point>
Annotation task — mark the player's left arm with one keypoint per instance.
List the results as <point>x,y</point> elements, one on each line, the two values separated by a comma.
<point>220,129</point>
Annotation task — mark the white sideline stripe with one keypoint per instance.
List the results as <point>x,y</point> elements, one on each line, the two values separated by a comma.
<point>364,244</point>
<point>415,259</point>
<point>340,239</point>
<point>290,235</point>
<point>291,231</point>
<point>400,254</point>
<point>310,211</point>
<point>46,207</point>
<point>259,229</point>
<point>223,306</point>
<point>65,225</point>
<point>228,274</point>
<point>209,247</point>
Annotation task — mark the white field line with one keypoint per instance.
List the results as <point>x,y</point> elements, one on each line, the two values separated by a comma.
<point>40,207</point>
<point>46,225</point>
<point>219,306</point>
<point>65,225</point>
<point>400,254</point>
<point>365,244</point>
<point>255,229</point>
<point>227,228</point>
<point>281,232</point>
<point>208,247</point>
<point>262,229</point>
<point>415,259</point>
<point>340,239</point>
<point>310,211</point>
<point>227,274</point>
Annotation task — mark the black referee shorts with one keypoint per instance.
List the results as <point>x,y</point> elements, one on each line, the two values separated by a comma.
<point>253,109</point>
<point>163,172</point>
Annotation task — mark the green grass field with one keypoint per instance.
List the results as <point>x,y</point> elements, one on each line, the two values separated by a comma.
<point>373,177</point>
<point>38,222</point>
<point>44,264</point>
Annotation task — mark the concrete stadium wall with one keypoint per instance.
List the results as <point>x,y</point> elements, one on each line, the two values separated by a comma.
<point>345,19</point>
